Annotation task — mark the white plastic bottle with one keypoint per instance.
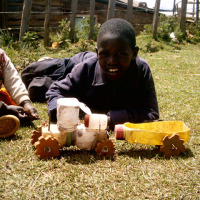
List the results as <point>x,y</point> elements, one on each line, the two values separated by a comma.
<point>96,121</point>
<point>67,114</point>
<point>87,139</point>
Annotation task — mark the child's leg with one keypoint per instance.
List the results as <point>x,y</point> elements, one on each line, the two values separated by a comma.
<point>8,125</point>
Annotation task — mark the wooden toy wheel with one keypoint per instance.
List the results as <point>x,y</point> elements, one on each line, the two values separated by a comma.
<point>105,148</point>
<point>172,146</point>
<point>34,136</point>
<point>47,147</point>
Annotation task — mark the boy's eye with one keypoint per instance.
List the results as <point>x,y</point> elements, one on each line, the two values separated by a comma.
<point>117,54</point>
<point>123,53</point>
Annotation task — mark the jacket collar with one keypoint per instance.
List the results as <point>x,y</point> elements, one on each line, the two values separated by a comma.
<point>99,77</point>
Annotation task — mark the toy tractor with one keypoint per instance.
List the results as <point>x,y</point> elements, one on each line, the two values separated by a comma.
<point>48,140</point>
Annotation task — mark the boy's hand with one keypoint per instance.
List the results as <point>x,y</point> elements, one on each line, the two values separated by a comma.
<point>30,111</point>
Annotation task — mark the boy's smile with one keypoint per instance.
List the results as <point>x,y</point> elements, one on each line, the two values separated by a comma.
<point>115,55</point>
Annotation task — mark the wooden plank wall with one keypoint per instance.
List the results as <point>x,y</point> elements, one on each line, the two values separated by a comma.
<point>37,18</point>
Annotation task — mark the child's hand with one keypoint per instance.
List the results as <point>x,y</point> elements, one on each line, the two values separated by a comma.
<point>18,111</point>
<point>30,111</point>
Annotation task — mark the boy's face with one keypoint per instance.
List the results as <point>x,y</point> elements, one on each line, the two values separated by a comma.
<point>115,55</point>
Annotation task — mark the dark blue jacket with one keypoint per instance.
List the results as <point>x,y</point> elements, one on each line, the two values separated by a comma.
<point>39,75</point>
<point>132,98</point>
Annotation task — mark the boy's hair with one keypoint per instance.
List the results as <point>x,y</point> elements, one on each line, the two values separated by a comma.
<point>118,27</point>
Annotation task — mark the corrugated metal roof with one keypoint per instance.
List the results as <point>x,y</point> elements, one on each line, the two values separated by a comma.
<point>123,3</point>
<point>135,3</point>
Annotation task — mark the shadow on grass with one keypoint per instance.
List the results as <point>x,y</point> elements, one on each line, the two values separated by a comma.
<point>12,137</point>
<point>88,157</point>
<point>27,123</point>
<point>82,156</point>
<point>152,153</point>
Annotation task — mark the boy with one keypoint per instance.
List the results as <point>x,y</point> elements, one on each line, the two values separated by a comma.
<point>116,81</point>
<point>15,104</point>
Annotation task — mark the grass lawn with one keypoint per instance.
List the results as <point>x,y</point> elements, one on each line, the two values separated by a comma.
<point>137,171</point>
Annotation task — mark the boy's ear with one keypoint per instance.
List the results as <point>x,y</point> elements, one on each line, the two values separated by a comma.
<point>135,52</point>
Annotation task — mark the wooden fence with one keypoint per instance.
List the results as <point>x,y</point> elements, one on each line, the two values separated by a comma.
<point>30,17</point>
<point>27,5</point>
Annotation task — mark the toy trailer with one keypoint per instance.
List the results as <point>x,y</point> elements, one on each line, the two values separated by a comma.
<point>169,135</point>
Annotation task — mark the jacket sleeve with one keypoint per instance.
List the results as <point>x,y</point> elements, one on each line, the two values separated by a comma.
<point>147,105</point>
<point>56,91</point>
<point>69,85</point>
<point>66,87</point>
<point>13,82</point>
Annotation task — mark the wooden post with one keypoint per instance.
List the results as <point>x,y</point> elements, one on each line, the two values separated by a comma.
<point>193,9</point>
<point>174,8</point>
<point>130,11</point>
<point>179,15</point>
<point>178,10</point>
<point>25,18</point>
<point>73,19</point>
<point>47,22</point>
<point>197,11</point>
<point>92,19</point>
<point>111,9</point>
<point>155,18</point>
<point>4,15</point>
<point>183,16</point>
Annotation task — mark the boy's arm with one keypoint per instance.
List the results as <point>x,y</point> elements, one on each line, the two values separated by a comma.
<point>58,89</point>
<point>13,82</point>
<point>148,112</point>
<point>16,88</point>
<point>70,86</point>
<point>147,106</point>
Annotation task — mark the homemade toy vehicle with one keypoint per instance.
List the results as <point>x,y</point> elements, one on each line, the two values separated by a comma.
<point>49,142</point>
<point>49,139</point>
<point>169,135</point>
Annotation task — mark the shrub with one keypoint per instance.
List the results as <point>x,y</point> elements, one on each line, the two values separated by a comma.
<point>167,25</point>
<point>31,39</point>
<point>194,29</point>
<point>170,24</point>
<point>193,32</point>
<point>6,39</point>
<point>147,29</point>
<point>83,29</point>
<point>61,35</point>
<point>180,36</point>
<point>81,33</point>
<point>153,46</point>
